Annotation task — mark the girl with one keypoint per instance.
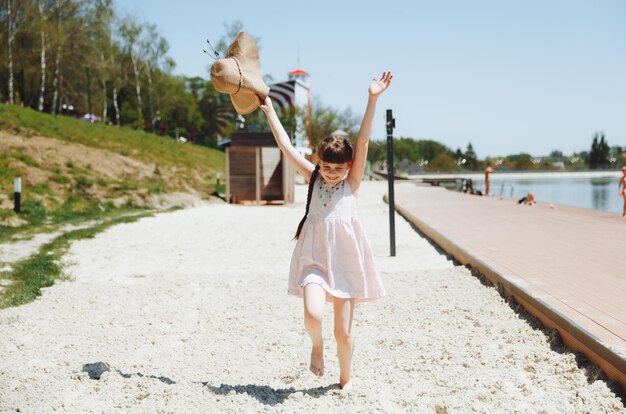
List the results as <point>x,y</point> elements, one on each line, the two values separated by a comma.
<point>332,260</point>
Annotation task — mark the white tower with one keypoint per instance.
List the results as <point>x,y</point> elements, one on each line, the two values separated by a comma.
<point>302,90</point>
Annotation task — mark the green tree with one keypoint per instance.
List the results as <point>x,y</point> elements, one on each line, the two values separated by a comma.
<point>156,62</point>
<point>415,151</point>
<point>428,149</point>
<point>377,151</point>
<point>443,162</point>
<point>521,161</point>
<point>599,154</point>
<point>231,30</point>
<point>405,149</point>
<point>131,32</point>
<point>557,155</point>
<point>326,120</point>
<point>471,160</point>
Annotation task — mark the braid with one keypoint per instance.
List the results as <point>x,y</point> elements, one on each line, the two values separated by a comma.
<point>308,199</point>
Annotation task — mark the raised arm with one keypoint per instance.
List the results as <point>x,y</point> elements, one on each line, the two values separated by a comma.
<point>377,87</point>
<point>301,164</point>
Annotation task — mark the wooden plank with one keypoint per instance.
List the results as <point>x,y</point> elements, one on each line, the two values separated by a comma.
<point>566,265</point>
<point>228,175</point>
<point>256,174</point>
<point>257,177</point>
<point>284,164</point>
<point>252,139</point>
<point>272,174</point>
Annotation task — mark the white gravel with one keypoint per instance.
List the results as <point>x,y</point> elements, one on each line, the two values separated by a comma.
<point>188,312</point>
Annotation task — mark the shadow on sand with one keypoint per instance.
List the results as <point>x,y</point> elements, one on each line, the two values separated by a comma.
<point>268,395</point>
<point>96,369</point>
<point>262,393</point>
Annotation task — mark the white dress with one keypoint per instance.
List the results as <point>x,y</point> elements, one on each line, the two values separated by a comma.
<point>332,249</point>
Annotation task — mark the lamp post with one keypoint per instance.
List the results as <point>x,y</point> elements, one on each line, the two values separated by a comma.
<point>17,194</point>
<point>391,124</point>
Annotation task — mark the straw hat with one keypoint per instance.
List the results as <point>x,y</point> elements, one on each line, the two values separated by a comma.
<point>239,75</point>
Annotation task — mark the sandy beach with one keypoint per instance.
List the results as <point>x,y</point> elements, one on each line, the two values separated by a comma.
<point>188,312</point>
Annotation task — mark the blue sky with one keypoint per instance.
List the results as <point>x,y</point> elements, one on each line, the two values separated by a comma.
<point>509,76</point>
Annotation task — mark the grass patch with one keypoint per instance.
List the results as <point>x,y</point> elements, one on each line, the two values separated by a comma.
<point>60,178</point>
<point>156,187</point>
<point>42,269</point>
<point>5,172</point>
<point>138,144</point>
<point>102,182</point>
<point>214,188</point>
<point>33,211</point>
<point>8,233</point>
<point>76,209</point>
<point>18,155</point>
<point>6,213</point>
<point>83,182</point>
<point>41,189</point>
<point>127,185</point>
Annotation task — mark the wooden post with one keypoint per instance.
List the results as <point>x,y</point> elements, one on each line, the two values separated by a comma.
<point>227,175</point>
<point>258,174</point>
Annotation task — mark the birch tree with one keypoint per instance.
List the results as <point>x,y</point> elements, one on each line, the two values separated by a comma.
<point>113,67</point>
<point>57,61</point>
<point>42,19</point>
<point>103,40</point>
<point>155,48</point>
<point>11,29</point>
<point>130,32</point>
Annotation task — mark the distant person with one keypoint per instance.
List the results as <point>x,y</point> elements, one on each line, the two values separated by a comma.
<point>622,188</point>
<point>528,200</point>
<point>469,188</point>
<point>488,171</point>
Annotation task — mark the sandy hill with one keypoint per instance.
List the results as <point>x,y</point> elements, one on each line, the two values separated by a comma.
<point>69,164</point>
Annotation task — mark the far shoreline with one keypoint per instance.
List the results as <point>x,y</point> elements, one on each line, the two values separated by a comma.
<point>520,174</point>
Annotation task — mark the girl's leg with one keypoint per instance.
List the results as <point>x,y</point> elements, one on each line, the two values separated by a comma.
<point>314,300</point>
<point>344,312</point>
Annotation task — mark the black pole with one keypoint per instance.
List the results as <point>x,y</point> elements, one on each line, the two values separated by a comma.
<point>17,199</point>
<point>391,124</point>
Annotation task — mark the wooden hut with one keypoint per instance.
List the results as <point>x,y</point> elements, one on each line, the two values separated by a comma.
<point>256,169</point>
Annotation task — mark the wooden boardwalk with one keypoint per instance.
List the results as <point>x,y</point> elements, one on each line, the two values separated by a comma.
<point>567,265</point>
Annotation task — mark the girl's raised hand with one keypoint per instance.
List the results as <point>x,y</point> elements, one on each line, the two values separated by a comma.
<point>264,104</point>
<point>378,86</point>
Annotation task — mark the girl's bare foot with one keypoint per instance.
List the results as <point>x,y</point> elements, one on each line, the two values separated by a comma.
<point>346,388</point>
<point>317,361</point>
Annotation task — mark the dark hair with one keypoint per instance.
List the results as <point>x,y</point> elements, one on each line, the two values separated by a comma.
<point>333,149</point>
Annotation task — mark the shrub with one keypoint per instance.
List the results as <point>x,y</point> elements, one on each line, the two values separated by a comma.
<point>83,182</point>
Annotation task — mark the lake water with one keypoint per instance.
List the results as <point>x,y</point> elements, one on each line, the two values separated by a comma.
<point>595,190</point>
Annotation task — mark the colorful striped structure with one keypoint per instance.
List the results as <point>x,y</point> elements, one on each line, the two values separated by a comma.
<point>294,93</point>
